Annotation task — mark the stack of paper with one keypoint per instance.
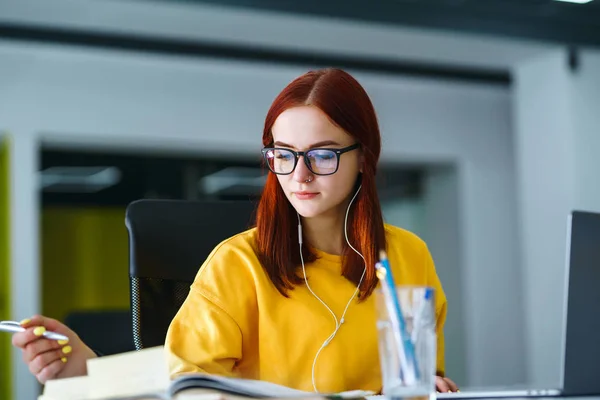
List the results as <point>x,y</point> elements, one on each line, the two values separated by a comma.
<point>133,375</point>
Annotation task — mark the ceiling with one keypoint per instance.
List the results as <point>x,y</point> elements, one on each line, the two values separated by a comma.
<point>546,20</point>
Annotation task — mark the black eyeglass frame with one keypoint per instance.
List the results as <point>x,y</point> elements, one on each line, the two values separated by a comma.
<point>297,154</point>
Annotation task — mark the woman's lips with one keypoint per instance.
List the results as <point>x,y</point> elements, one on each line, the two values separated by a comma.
<point>305,195</point>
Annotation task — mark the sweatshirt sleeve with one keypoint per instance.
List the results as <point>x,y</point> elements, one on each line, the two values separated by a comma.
<point>202,338</point>
<point>214,325</point>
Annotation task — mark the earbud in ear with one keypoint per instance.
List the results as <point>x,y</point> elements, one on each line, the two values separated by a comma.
<point>361,161</point>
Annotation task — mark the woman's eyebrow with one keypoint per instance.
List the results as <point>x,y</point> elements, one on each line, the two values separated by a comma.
<point>318,144</point>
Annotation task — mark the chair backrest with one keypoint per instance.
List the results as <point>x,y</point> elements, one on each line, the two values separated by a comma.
<point>91,326</point>
<point>168,242</point>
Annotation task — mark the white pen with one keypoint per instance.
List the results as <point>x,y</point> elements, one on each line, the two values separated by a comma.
<point>14,327</point>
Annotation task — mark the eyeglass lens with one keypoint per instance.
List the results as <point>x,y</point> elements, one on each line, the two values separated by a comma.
<point>320,161</point>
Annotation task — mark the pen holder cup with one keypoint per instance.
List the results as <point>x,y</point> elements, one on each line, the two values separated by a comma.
<point>407,370</point>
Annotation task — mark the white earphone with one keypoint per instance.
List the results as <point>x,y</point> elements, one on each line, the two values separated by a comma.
<point>339,323</point>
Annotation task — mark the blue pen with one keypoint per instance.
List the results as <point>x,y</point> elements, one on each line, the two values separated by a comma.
<point>406,348</point>
<point>388,303</point>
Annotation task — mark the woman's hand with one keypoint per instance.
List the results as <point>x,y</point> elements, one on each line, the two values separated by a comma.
<point>50,359</point>
<point>444,385</point>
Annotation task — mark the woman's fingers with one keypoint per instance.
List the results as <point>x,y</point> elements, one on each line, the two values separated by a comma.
<point>445,385</point>
<point>31,334</point>
<point>51,359</point>
<point>453,387</point>
<point>441,385</point>
<point>49,323</point>
<point>43,360</point>
<point>35,328</point>
<point>53,365</point>
<point>39,346</point>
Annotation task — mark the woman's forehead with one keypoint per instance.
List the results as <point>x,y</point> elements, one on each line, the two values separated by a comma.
<point>302,127</point>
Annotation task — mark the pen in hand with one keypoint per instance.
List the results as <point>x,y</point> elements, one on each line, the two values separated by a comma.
<point>14,327</point>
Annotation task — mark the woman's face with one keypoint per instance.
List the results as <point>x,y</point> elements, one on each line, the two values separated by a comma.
<point>304,128</point>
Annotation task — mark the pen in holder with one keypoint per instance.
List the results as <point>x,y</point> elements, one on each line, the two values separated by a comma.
<point>406,335</point>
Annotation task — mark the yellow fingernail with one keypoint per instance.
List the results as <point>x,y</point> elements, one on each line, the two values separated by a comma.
<point>62,342</point>
<point>25,321</point>
<point>67,349</point>
<point>39,331</point>
<point>64,359</point>
<point>449,391</point>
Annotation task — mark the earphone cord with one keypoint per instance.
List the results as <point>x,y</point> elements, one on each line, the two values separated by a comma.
<point>337,324</point>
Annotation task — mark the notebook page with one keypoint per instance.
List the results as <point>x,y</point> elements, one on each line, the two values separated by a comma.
<point>250,388</point>
<point>76,388</point>
<point>129,374</point>
<point>262,388</point>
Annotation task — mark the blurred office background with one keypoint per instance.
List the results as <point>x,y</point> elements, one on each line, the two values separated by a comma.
<point>488,110</point>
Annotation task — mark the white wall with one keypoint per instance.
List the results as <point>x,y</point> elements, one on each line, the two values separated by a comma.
<point>544,131</point>
<point>66,96</point>
<point>24,215</point>
<point>556,128</point>
<point>442,232</point>
<point>586,106</point>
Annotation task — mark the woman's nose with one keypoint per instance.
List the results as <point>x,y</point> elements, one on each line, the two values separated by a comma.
<point>301,173</point>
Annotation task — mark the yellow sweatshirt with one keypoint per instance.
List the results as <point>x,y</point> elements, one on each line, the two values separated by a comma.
<point>235,323</point>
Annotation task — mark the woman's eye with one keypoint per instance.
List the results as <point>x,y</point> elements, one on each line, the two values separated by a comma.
<point>324,156</point>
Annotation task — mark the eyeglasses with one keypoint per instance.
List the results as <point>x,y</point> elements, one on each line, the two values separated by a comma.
<point>319,161</point>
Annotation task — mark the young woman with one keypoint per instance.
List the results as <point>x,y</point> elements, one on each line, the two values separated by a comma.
<point>290,300</point>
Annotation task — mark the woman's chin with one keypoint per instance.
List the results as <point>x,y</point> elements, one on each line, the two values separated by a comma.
<point>307,210</point>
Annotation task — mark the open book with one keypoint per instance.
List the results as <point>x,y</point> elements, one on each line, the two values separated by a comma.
<point>251,388</point>
<point>144,375</point>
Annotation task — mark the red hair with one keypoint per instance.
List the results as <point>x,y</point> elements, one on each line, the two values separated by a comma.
<point>348,106</point>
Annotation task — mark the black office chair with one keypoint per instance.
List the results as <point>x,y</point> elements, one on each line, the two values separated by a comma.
<point>91,326</point>
<point>168,242</point>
